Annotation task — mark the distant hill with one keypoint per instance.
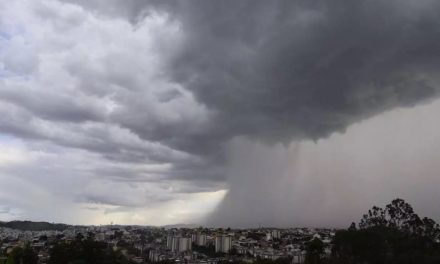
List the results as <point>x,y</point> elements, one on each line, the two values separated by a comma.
<point>34,226</point>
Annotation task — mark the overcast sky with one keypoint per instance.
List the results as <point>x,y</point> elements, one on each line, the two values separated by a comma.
<point>228,113</point>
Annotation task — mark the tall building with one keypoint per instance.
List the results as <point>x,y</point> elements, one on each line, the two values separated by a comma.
<point>172,242</point>
<point>276,234</point>
<point>178,243</point>
<point>223,244</point>
<point>154,255</point>
<point>169,241</point>
<point>201,240</point>
<point>273,234</point>
<point>185,244</point>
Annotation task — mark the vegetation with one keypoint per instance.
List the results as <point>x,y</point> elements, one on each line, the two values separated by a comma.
<point>33,226</point>
<point>85,251</point>
<point>22,256</point>
<point>208,250</point>
<point>393,235</point>
<point>256,235</point>
<point>315,249</point>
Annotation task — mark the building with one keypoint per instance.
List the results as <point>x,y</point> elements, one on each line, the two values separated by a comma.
<point>169,241</point>
<point>268,236</point>
<point>201,240</point>
<point>298,257</point>
<point>223,244</point>
<point>185,244</point>
<point>273,234</point>
<point>178,243</point>
<point>173,243</point>
<point>154,255</point>
<point>276,234</point>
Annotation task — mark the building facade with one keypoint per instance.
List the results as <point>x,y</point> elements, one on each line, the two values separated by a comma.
<point>178,243</point>
<point>223,244</point>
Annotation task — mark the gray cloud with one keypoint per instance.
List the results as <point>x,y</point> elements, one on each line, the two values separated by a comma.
<point>4,209</point>
<point>305,69</point>
<point>334,181</point>
<point>170,84</point>
<point>298,70</point>
<point>283,70</point>
<point>293,69</point>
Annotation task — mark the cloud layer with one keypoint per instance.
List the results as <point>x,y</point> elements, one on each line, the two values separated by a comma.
<point>135,104</point>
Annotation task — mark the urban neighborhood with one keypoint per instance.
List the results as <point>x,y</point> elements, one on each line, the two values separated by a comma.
<point>180,245</point>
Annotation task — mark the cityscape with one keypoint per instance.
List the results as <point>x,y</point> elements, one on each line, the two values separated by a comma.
<point>395,234</point>
<point>178,245</point>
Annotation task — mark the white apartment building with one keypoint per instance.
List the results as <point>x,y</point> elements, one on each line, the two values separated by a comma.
<point>178,243</point>
<point>223,243</point>
<point>276,234</point>
<point>185,244</point>
<point>201,240</point>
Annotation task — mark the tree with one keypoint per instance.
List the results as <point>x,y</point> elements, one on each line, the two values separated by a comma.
<point>29,256</point>
<point>79,237</point>
<point>352,227</point>
<point>392,235</point>
<point>85,251</point>
<point>24,255</point>
<point>430,228</point>
<point>374,217</point>
<point>400,214</point>
<point>315,249</point>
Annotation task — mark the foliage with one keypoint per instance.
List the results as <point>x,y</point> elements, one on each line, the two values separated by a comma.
<point>24,255</point>
<point>400,215</point>
<point>315,249</point>
<point>85,251</point>
<point>256,235</point>
<point>208,250</point>
<point>391,235</point>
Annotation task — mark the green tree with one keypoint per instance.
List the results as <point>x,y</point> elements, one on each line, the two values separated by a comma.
<point>395,235</point>
<point>85,251</point>
<point>315,249</point>
<point>24,255</point>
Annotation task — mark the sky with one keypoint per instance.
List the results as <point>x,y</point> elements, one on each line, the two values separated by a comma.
<point>221,113</point>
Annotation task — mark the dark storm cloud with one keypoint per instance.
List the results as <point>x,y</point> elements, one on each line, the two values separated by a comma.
<point>304,69</point>
<point>275,71</point>
<point>171,83</point>
<point>295,70</point>
<point>283,70</point>
<point>167,96</point>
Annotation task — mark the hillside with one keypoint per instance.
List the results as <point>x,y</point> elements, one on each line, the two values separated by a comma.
<point>33,226</point>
